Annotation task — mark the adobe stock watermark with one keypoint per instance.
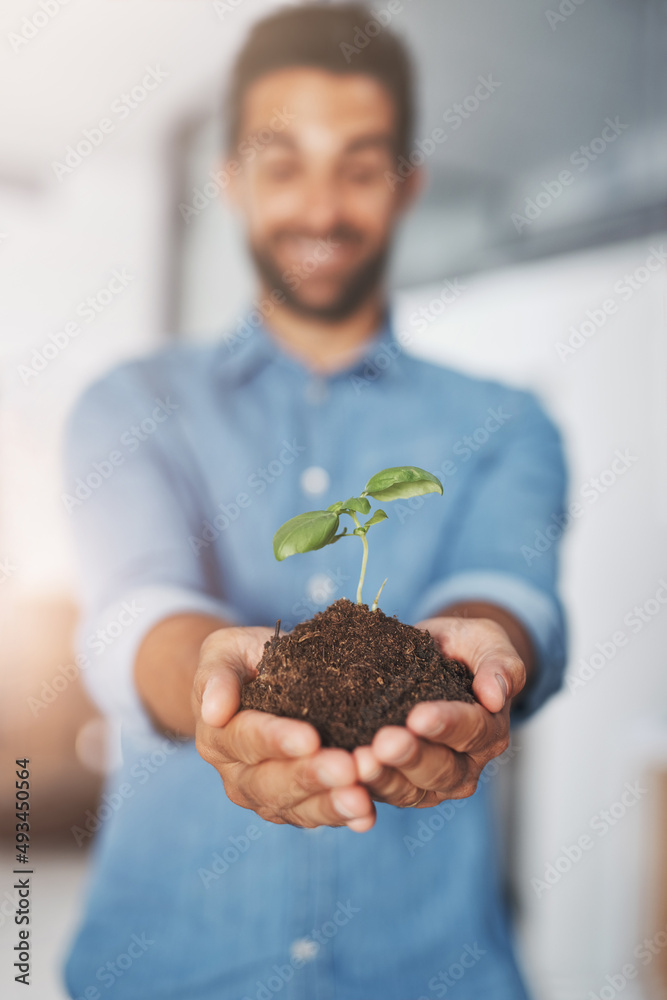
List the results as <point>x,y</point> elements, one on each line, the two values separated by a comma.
<point>225,7</point>
<point>437,306</point>
<point>249,323</point>
<point>625,288</point>
<point>110,802</point>
<point>645,952</point>
<point>453,117</point>
<point>600,824</point>
<point>565,9</point>
<point>121,109</point>
<point>292,277</point>
<point>88,310</point>
<point>126,614</point>
<point>107,975</point>
<point>380,358</point>
<point>635,620</point>
<point>591,491</point>
<point>222,860</point>
<point>443,981</point>
<point>364,34</point>
<point>320,590</point>
<point>257,483</point>
<point>130,440</point>
<point>303,949</point>
<point>7,569</point>
<point>246,151</point>
<point>464,448</point>
<point>581,159</point>
<point>33,24</point>
<point>433,820</point>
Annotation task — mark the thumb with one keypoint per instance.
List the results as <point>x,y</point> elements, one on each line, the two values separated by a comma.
<point>493,681</point>
<point>228,660</point>
<point>499,671</point>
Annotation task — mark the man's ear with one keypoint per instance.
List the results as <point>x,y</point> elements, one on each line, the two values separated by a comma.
<point>410,190</point>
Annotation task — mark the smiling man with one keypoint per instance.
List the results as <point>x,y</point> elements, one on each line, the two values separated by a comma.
<point>308,872</point>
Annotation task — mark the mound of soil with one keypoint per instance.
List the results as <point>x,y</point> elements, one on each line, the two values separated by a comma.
<point>349,671</point>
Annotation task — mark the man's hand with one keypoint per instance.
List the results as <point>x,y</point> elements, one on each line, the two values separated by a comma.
<point>274,766</point>
<point>445,744</point>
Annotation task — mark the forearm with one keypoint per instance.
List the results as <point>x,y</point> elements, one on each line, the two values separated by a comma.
<point>515,630</point>
<point>165,667</point>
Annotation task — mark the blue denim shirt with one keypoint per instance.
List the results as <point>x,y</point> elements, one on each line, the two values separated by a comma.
<point>180,468</point>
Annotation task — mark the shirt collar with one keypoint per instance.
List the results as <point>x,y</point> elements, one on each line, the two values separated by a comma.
<point>246,351</point>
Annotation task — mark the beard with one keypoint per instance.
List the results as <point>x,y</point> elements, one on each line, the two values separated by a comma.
<point>351,293</point>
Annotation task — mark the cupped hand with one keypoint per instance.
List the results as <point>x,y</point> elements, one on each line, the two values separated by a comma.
<point>444,746</point>
<point>272,765</point>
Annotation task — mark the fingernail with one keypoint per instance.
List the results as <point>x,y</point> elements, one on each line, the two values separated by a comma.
<point>433,728</point>
<point>343,810</point>
<point>326,777</point>
<point>208,713</point>
<point>432,725</point>
<point>502,684</point>
<point>401,758</point>
<point>295,748</point>
<point>370,773</point>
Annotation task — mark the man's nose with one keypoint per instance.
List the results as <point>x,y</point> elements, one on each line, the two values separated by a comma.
<point>321,204</point>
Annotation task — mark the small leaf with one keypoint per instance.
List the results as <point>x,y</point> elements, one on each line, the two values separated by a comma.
<point>401,482</point>
<point>304,533</point>
<point>360,504</point>
<point>378,516</point>
<point>336,537</point>
<point>336,507</point>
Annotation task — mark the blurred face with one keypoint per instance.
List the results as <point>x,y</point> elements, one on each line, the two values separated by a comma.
<point>314,148</point>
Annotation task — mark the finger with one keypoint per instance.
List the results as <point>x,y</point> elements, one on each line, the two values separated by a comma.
<point>286,784</point>
<point>252,736</point>
<point>457,724</point>
<point>499,672</point>
<point>342,807</point>
<point>425,764</point>
<point>499,676</point>
<point>228,659</point>
<point>384,783</point>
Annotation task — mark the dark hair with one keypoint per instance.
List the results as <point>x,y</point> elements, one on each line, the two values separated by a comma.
<point>325,37</point>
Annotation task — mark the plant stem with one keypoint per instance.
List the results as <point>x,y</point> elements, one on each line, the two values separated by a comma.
<point>374,606</point>
<point>364,559</point>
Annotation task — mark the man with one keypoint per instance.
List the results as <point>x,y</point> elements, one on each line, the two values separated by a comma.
<point>309,874</point>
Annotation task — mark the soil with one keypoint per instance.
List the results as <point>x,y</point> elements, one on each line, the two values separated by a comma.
<point>348,671</point>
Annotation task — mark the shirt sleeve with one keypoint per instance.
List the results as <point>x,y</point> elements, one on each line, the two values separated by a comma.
<point>134,512</point>
<point>504,547</point>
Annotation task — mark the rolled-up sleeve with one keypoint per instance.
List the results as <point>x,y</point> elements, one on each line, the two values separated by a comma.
<point>134,513</point>
<point>504,549</point>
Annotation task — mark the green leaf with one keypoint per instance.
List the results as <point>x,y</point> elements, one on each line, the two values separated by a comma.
<point>378,516</point>
<point>336,507</point>
<point>401,482</point>
<point>336,537</point>
<point>304,533</point>
<point>360,504</point>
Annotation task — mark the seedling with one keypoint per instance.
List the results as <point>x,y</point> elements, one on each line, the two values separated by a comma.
<point>317,528</point>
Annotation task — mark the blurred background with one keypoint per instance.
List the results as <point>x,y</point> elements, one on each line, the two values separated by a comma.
<point>560,286</point>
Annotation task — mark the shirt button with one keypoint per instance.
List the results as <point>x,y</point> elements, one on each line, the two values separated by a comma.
<point>304,950</point>
<point>316,390</point>
<point>319,588</point>
<point>314,480</point>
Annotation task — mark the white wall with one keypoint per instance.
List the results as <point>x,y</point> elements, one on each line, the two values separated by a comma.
<point>579,752</point>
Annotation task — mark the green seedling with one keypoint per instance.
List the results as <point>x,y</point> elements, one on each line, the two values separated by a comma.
<point>317,528</point>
